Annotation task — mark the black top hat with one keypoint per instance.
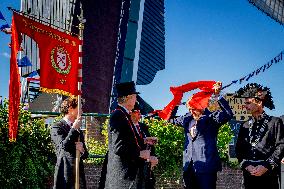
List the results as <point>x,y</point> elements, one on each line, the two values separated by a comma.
<point>127,88</point>
<point>254,90</point>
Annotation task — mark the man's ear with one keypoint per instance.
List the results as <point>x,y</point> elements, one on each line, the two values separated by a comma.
<point>259,102</point>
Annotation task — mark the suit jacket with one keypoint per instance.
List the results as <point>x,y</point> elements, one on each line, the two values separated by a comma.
<point>202,149</point>
<point>141,180</point>
<point>124,152</point>
<point>270,146</point>
<point>146,175</point>
<point>64,139</point>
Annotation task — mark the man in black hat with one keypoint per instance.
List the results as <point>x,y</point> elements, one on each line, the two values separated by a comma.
<point>260,144</point>
<point>125,153</point>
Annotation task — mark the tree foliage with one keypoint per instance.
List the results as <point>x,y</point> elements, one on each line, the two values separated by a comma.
<point>28,162</point>
<point>169,148</point>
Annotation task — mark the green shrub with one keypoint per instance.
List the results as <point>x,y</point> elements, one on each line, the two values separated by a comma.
<point>169,148</point>
<point>28,162</point>
<point>98,147</point>
<point>225,136</point>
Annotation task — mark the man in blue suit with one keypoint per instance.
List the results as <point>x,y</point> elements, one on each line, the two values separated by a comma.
<point>201,160</point>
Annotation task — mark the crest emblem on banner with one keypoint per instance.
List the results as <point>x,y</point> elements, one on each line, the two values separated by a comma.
<point>60,60</point>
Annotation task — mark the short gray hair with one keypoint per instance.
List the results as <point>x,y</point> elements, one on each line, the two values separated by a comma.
<point>122,99</point>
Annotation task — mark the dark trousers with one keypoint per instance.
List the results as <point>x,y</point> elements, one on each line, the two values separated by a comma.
<point>193,180</point>
<point>282,175</point>
<point>266,181</point>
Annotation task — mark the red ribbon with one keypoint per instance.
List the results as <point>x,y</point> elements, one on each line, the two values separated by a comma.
<point>198,101</point>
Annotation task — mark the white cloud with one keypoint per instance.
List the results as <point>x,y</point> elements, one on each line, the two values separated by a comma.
<point>5,54</point>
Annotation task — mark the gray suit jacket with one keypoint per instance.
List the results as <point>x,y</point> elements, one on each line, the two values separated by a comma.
<point>64,138</point>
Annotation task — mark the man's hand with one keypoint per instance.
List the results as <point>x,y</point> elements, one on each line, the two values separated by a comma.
<point>77,123</point>
<point>282,161</point>
<point>154,161</point>
<point>151,140</point>
<point>217,87</point>
<point>79,146</point>
<point>145,154</point>
<point>250,168</point>
<point>259,170</point>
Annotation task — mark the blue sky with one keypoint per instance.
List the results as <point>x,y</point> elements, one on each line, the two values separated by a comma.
<point>217,40</point>
<point>205,40</point>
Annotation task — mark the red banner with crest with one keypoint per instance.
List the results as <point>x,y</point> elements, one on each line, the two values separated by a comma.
<point>58,53</point>
<point>59,58</point>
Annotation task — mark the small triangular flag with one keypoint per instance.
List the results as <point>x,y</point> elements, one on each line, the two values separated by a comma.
<point>1,16</point>
<point>23,62</point>
<point>4,26</point>
<point>32,74</point>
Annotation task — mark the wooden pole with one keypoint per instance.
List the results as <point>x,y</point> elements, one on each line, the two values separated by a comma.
<point>81,28</point>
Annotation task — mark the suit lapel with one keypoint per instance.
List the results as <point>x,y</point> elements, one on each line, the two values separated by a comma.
<point>201,124</point>
<point>126,114</point>
<point>65,126</point>
<point>131,125</point>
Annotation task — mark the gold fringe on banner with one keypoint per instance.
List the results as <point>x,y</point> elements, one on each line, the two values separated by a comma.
<point>58,91</point>
<point>12,139</point>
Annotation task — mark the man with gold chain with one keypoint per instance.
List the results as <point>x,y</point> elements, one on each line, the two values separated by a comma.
<point>260,144</point>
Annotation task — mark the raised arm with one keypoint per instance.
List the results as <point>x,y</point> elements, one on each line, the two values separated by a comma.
<point>224,115</point>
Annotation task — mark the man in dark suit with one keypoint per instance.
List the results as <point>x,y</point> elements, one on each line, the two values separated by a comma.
<point>201,160</point>
<point>146,174</point>
<point>125,152</point>
<point>260,144</point>
<point>65,134</point>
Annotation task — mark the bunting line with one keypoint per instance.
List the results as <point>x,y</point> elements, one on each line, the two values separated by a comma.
<point>259,70</point>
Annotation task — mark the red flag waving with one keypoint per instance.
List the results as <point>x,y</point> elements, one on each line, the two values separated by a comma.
<point>14,85</point>
<point>198,100</point>
<point>58,53</point>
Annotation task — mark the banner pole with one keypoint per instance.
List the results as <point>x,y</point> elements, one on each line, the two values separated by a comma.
<point>81,28</point>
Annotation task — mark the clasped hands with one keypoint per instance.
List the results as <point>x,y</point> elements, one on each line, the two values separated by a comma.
<point>257,170</point>
<point>145,154</point>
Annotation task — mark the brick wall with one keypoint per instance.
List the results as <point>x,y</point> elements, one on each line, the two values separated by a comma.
<point>227,179</point>
<point>94,127</point>
<point>92,174</point>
